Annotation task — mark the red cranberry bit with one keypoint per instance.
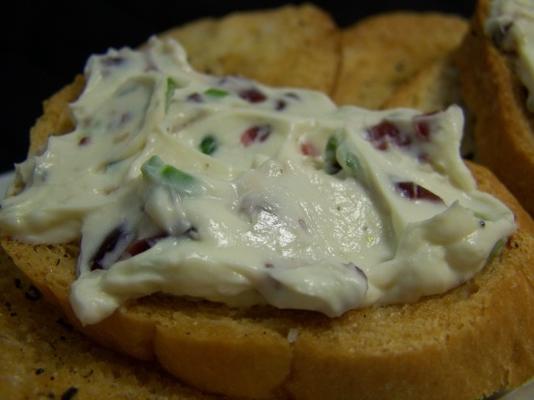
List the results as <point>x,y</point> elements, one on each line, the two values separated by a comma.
<point>252,95</point>
<point>422,130</point>
<point>423,158</point>
<point>109,243</point>
<point>280,105</point>
<point>84,141</point>
<point>195,98</point>
<point>142,245</point>
<point>384,133</point>
<point>257,133</point>
<point>308,149</point>
<point>413,191</point>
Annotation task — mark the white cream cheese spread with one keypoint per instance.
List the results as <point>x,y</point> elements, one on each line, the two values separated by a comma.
<point>511,26</point>
<point>227,190</point>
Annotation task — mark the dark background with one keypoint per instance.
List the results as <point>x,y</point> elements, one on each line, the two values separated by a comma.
<point>45,44</point>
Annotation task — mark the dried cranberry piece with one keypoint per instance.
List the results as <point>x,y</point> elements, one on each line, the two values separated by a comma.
<point>413,191</point>
<point>84,140</point>
<point>142,245</point>
<point>195,98</point>
<point>422,131</point>
<point>108,244</point>
<point>384,133</point>
<point>308,149</point>
<point>280,105</point>
<point>256,133</point>
<point>252,95</point>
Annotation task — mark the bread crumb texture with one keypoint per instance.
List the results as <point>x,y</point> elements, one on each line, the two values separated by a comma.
<point>289,46</point>
<point>382,52</point>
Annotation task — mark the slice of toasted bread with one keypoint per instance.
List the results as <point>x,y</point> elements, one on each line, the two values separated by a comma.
<point>503,127</point>
<point>381,53</point>
<point>41,356</point>
<point>472,341</point>
<point>289,46</point>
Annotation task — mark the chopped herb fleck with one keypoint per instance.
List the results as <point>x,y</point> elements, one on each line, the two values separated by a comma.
<point>158,172</point>
<point>352,162</point>
<point>171,87</point>
<point>209,144</point>
<point>216,93</point>
<point>331,166</point>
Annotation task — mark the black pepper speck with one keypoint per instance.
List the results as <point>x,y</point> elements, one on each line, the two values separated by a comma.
<point>33,293</point>
<point>18,283</point>
<point>39,371</point>
<point>69,393</point>
<point>64,324</point>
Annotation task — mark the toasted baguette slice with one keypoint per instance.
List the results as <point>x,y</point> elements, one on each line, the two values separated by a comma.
<point>504,128</point>
<point>289,46</point>
<point>472,341</point>
<point>381,53</point>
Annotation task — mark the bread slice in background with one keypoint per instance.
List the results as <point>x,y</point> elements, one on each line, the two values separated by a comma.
<point>503,127</point>
<point>381,53</point>
<point>289,46</point>
<point>433,88</point>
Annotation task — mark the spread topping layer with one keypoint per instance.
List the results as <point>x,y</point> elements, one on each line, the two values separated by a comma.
<point>227,190</point>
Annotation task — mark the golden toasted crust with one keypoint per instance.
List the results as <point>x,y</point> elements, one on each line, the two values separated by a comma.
<point>504,129</point>
<point>382,52</point>
<point>436,348</point>
<point>289,46</point>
